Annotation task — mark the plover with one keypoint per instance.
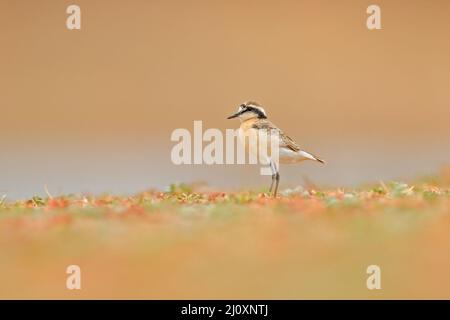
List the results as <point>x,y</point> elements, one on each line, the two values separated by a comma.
<point>253,119</point>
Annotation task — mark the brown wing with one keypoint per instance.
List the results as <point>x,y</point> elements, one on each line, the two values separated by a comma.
<point>289,142</point>
<point>285,140</point>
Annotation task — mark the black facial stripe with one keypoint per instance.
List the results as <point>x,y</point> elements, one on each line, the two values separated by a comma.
<point>242,111</point>
<point>260,114</point>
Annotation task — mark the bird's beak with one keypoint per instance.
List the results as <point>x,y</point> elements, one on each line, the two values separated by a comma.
<point>234,115</point>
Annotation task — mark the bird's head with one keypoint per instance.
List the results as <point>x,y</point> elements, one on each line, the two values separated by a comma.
<point>249,110</point>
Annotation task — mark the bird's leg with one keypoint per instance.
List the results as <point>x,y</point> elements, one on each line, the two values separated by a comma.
<point>277,179</point>
<point>271,184</point>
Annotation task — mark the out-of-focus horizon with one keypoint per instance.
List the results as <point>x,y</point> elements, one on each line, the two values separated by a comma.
<point>93,110</point>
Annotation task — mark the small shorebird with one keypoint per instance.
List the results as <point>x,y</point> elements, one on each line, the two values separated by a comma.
<point>254,119</point>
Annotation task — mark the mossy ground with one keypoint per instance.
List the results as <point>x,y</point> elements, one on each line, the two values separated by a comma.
<point>188,244</point>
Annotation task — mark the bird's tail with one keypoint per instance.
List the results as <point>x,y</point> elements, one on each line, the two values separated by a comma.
<point>310,156</point>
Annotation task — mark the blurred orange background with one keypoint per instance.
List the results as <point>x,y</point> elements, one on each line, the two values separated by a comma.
<point>93,110</point>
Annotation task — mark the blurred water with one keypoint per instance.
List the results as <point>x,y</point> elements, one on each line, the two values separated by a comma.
<point>24,173</point>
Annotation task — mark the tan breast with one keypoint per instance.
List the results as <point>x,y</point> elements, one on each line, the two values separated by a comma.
<point>245,125</point>
<point>246,132</point>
